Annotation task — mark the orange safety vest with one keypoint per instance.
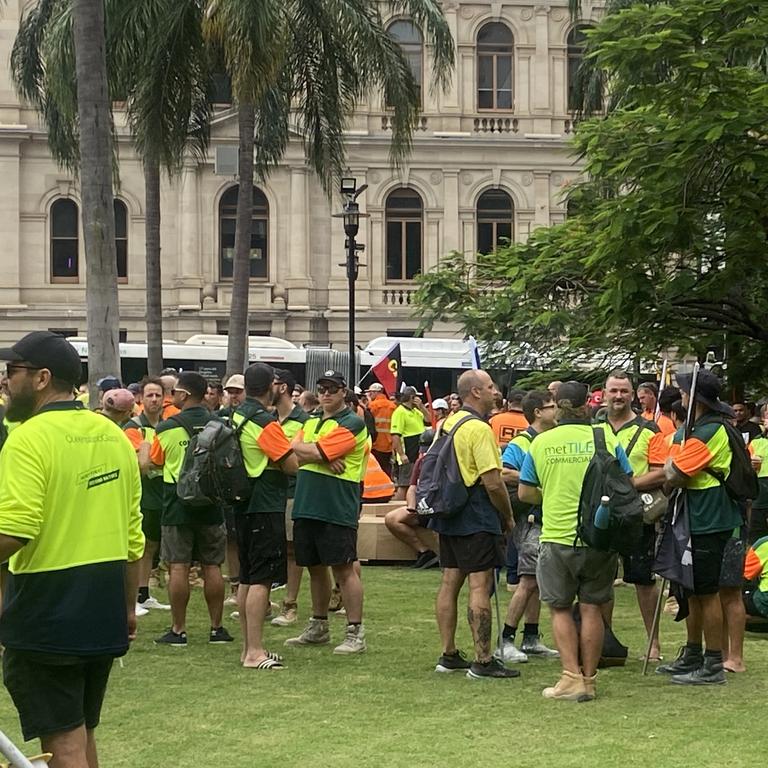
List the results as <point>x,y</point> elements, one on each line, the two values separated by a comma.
<point>382,409</point>
<point>377,486</point>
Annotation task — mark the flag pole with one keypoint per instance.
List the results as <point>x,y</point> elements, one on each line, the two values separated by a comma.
<point>428,393</point>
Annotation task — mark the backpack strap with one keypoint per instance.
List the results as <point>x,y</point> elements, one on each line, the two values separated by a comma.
<point>182,423</point>
<point>633,442</point>
<point>599,435</point>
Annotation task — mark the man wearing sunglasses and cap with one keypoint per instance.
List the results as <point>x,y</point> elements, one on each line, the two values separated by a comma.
<point>713,517</point>
<point>70,523</point>
<point>331,449</point>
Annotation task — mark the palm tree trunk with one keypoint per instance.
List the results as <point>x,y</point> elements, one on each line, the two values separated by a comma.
<point>241,272</point>
<point>93,109</point>
<point>153,273</point>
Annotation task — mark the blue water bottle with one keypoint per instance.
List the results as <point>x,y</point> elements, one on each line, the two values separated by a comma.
<point>602,523</point>
<point>603,514</point>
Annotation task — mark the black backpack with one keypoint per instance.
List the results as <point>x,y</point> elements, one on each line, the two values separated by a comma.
<point>606,477</point>
<point>441,491</point>
<point>213,472</point>
<point>741,484</point>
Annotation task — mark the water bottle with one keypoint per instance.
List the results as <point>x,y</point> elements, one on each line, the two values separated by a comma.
<point>603,514</point>
<point>602,523</point>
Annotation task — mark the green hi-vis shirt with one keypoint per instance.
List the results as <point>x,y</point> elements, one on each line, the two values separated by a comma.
<point>710,508</point>
<point>408,423</point>
<point>759,447</point>
<point>321,494</point>
<point>69,487</point>
<point>292,424</point>
<point>138,430</point>
<point>645,450</point>
<point>557,462</point>
<point>263,444</point>
<point>168,451</point>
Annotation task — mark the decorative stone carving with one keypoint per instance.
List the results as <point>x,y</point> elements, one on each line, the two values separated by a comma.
<point>375,177</point>
<point>467,12</point>
<point>435,177</point>
<point>526,14</point>
<point>557,180</point>
<point>527,179</point>
<point>467,179</point>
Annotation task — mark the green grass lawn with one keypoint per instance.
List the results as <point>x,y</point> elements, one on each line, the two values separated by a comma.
<point>198,707</point>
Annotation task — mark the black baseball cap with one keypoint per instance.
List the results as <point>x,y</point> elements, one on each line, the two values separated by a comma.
<point>109,382</point>
<point>708,388</point>
<point>283,376</point>
<point>259,377</point>
<point>573,391</point>
<point>334,377</point>
<point>45,349</point>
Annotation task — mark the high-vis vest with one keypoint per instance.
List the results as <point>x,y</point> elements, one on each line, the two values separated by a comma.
<point>377,485</point>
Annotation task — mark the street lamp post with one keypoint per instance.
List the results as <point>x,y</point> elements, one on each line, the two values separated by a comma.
<point>351,216</point>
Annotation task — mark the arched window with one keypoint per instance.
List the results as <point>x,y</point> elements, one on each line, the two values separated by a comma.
<point>495,49</point>
<point>577,42</point>
<point>259,233</point>
<point>64,234</point>
<point>121,240</point>
<point>408,36</point>
<point>403,215</point>
<point>494,220</point>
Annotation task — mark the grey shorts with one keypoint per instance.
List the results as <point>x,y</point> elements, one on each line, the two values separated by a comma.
<point>289,520</point>
<point>403,472</point>
<point>525,537</point>
<point>565,573</point>
<point>186,543</point>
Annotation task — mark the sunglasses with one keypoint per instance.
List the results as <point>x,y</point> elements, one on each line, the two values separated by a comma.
<point>327,389</point>
<point>183,391</point>
<point>10,369</point>
<point>544,407</point>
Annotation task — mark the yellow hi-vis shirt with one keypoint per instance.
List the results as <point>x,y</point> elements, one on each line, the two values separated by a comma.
<point>69,486</point>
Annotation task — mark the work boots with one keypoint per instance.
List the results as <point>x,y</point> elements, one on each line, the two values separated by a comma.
<point>710,672</point>
<point>688,660</point>
<point>570,687</point>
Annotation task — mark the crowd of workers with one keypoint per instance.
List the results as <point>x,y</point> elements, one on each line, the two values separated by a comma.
<point>89,503</point>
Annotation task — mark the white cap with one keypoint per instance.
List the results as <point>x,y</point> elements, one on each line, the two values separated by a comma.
<point>439,402</point>
<point>236,381</point>
<point>376,387</point>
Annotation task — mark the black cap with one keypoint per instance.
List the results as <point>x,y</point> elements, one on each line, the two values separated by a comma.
<point>708,388</point>
<point>409,392</point>
<point>283,376</point>
<point>333,376</point>
<point>109,382</point>
<point>259,377</point>
<point>573,391</point>
<point>44,349</point>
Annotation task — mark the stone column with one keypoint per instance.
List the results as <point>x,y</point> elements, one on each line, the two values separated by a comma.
<point>189,277</point>
<point>542,106</point>
<point>541,196</point>
<point>299,278</point>
<point>10,214</point>
<point>451,235</point>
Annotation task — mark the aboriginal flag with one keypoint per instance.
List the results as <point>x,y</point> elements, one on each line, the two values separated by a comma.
<point>387,370</point>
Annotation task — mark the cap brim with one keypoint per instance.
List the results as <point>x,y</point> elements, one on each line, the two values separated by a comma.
<point>9,355</point>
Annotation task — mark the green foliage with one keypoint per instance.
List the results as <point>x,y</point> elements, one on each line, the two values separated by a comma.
<point>668,243</point>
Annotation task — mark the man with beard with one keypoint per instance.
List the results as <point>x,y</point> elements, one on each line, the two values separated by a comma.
<point>71,525</point>
<point>646,450</point>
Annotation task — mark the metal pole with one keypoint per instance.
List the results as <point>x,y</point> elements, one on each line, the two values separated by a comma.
<point>351,276</point>
<point>10,750</point>
<point>654,625</point>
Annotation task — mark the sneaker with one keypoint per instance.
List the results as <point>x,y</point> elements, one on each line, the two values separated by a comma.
<point>510,653</point>
<point>219,636</point>
<point>710,672</point>
<point>272,609</point>
<point>286,617</point>
<point>354,640</point>
<point>155,604</point>
<point>491,669</point>
<point>231,600</point>
<point>427,559</point>
<point>570,687</point>
<point>174,639</point>
<point>336,603</point>
<point>316,633</point>
<point>532,646</point>
<point>687,661</point>
<point>278,585</point>
<point>452,662</point>
<point>141,610</point>
<point>235,615</point>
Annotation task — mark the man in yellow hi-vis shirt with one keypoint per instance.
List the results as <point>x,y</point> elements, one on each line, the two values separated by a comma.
<point>70,523</point>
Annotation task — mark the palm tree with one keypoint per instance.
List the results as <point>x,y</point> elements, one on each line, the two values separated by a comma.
<point>95,147</point>
<point>311,62</point>
<point>157,65</point>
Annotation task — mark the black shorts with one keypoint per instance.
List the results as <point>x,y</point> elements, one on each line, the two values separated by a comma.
<point>261,548</point>
<point>474,553</point>
<point>316,542</point>
<point>150,523</point>
<point>708,550</point>
<point>55,693</point>
<point>229,523</point>
<point>638,567</point>
<point>758,524</point>
<point>194,542</point>
<point>734,555</point>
